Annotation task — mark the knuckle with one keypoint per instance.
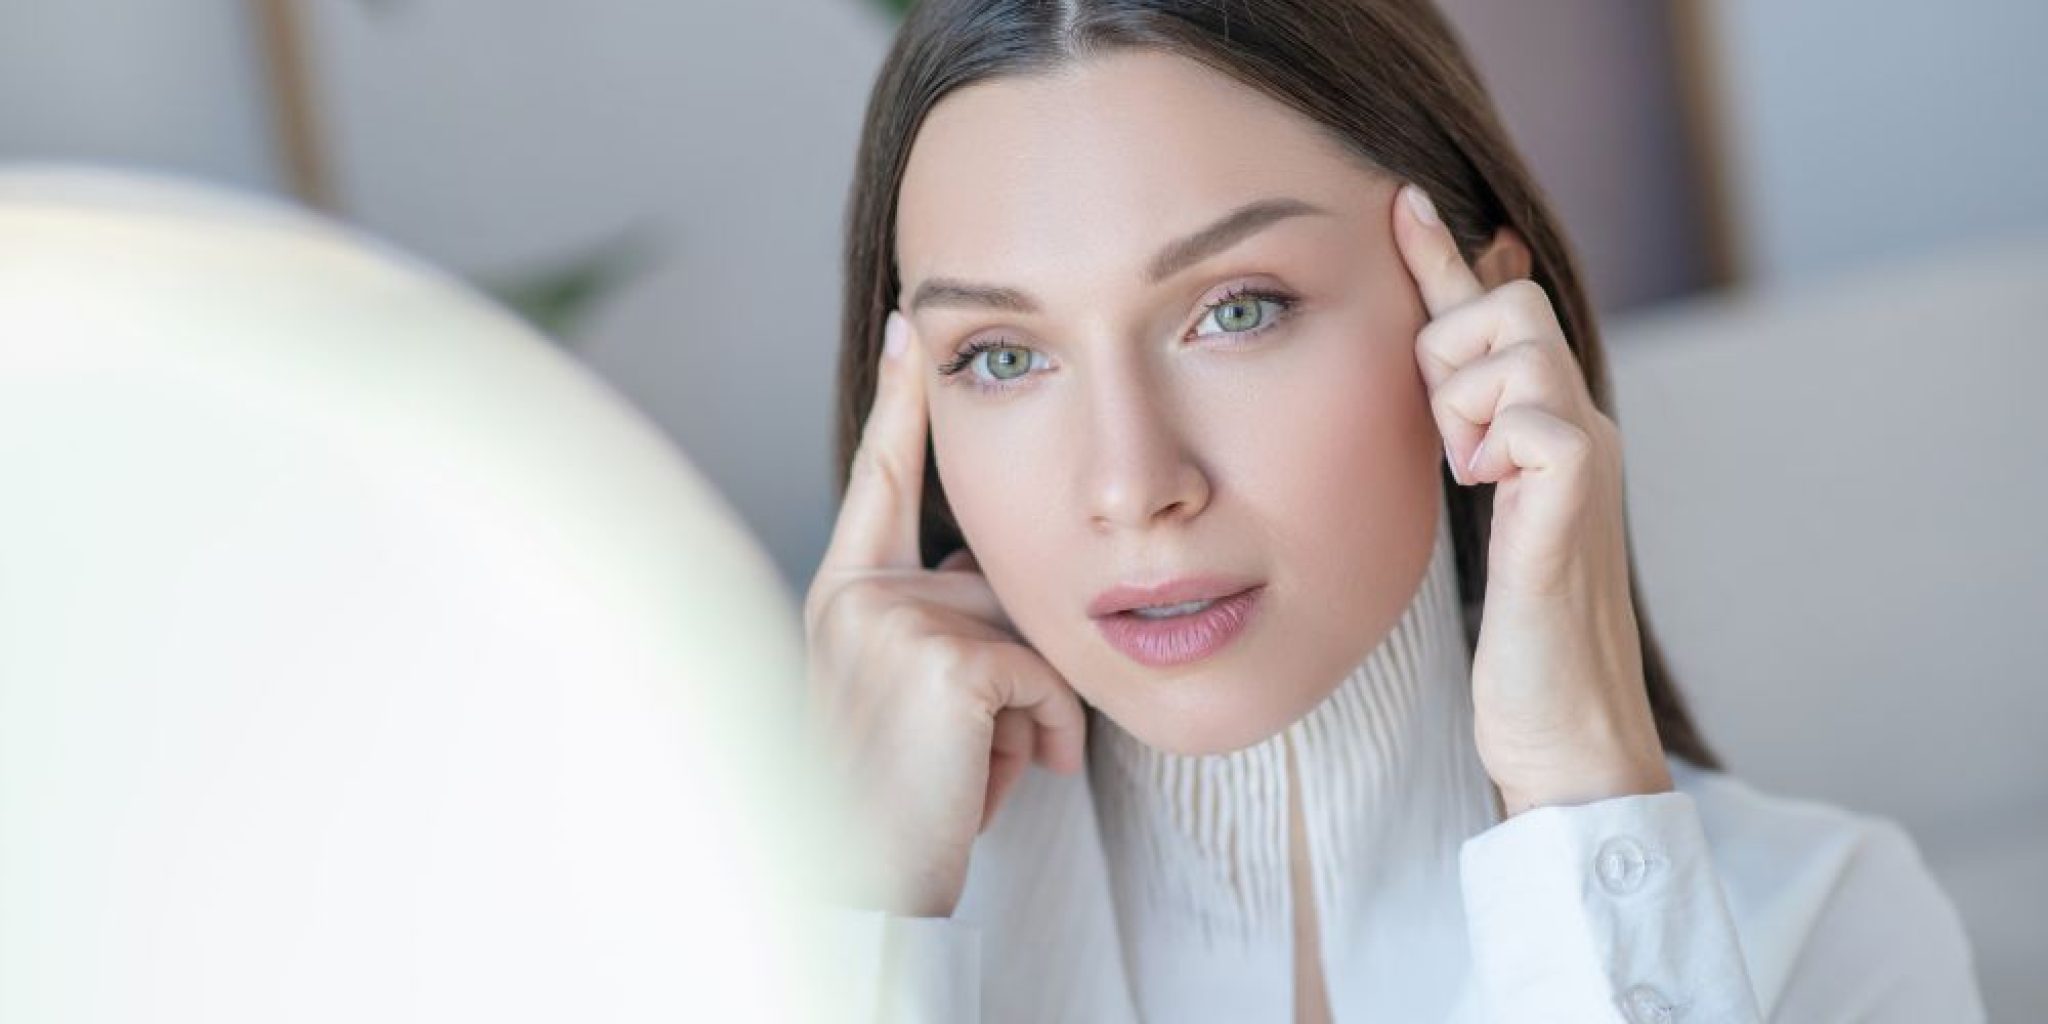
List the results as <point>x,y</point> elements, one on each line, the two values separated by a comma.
<point>1516,416</point>
<point>820,602</point>
<point>1434,334</point>
<point>1578,444</point>
<point>946,663</point>
<point>1443,401</point>
<point>962,658</point>
<point>860,604</point>
<point>1531,354</point>
<point>828,634</point>
<point>1524,294</point>
<point>1437,341</point>
<point>898,619</point>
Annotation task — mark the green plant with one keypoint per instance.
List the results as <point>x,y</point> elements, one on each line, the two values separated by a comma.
<point>557,299</point>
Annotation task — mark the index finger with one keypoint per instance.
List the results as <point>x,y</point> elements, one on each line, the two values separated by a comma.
<point>1431,254</point>
<point>878,518</point>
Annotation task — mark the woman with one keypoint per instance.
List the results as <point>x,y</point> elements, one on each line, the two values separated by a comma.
<point>1273,467</point>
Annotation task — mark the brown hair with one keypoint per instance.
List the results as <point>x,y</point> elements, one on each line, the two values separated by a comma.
<point>1388,79</point>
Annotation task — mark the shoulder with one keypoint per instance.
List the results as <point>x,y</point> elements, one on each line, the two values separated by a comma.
<point>1783,854</point>
<point>1836,908</point>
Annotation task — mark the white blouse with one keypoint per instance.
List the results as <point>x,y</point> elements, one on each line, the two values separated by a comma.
<point>1156,887</point>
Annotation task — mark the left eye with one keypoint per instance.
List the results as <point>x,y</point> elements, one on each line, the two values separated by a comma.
<point>1242,313</point>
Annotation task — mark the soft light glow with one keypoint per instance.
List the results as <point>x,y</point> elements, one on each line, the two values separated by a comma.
<point>362,657</point>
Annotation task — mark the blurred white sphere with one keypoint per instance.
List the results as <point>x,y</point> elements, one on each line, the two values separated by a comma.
<point>362,657</point>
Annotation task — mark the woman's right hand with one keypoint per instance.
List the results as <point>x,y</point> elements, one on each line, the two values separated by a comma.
<point>918,679</point>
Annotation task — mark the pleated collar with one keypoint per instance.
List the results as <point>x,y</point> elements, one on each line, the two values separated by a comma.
<point>1196,847</point>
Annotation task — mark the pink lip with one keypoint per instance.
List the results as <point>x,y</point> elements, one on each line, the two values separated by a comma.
<point>1163,643</point>
<point>1125,597</point>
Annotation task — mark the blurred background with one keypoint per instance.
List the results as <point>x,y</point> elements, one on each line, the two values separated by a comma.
<point>1819,232</point>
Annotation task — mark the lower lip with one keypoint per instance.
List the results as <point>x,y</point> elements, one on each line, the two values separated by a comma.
<point>1164,643</point>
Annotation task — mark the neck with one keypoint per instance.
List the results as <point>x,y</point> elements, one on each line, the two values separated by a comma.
<point>1389,786</point>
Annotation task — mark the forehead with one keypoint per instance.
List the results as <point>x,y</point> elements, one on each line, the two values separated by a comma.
<point>1117,150</point>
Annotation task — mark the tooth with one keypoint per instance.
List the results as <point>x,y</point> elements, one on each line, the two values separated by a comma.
<point>1169,611</point>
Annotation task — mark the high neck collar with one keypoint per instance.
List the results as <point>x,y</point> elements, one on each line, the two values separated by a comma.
<point>1391,786</point>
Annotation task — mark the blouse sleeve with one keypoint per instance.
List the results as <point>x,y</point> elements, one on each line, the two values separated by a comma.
<point>886,969</point>
<point>1612,911</point>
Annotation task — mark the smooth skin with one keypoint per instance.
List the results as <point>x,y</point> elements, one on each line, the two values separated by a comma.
<point>1169,426</point>
<point>1143,444</point>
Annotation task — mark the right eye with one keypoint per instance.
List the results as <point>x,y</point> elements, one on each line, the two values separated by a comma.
<point>1005,362</point>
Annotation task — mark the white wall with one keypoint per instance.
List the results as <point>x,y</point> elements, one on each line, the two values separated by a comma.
<point>495,134</point>
<point>172,86</point>
<point>1587,90</point>
<point>1869,132</point>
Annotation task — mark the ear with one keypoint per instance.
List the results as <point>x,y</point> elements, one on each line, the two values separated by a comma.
<point>1505,258</point>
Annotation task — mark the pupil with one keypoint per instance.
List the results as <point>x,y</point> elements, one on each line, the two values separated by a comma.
<point>1004,359</point>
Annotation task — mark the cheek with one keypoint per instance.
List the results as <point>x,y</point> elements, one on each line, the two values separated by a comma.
<point>968,465</point>
<point>1353,433</point>
<point>995,484</point>
<point>1345,470</point>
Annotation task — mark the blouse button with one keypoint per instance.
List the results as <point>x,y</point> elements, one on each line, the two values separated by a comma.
<point>1646,1005</point>
<point>1621,865</point>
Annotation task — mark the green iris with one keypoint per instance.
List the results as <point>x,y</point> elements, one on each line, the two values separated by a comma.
<point>1008,357</point>
<point>1238,315</point>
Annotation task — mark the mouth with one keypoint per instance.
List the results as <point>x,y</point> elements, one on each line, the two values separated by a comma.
<point>1184,595</point>
<point>1183,632</point>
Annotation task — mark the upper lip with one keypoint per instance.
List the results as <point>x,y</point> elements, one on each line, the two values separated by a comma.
<point>1126,596</point>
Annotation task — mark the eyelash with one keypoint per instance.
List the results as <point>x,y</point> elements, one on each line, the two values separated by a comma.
<point>967,353</point>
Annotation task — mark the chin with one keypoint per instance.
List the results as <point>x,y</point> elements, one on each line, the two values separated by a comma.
<point>1227,714</point>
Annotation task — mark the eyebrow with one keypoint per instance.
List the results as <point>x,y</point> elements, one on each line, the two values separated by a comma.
<point>1177,256</point>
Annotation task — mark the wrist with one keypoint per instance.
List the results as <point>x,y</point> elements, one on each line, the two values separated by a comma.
<point>1587,786</point>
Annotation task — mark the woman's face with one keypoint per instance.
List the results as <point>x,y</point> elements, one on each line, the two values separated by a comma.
<point>1139,427</point>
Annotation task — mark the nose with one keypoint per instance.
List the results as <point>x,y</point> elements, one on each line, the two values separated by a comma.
<point>1142,471</point>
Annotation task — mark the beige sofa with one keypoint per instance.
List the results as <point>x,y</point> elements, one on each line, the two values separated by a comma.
<point>1839,500</point>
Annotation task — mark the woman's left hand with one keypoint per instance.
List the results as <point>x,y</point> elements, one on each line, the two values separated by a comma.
<point>1562,715</point>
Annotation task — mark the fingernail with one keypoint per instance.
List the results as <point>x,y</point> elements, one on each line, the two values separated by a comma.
<point>1452,461</point>
<point>1475,458</point>
<point>1418,200</point>
<point>892,335</point>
